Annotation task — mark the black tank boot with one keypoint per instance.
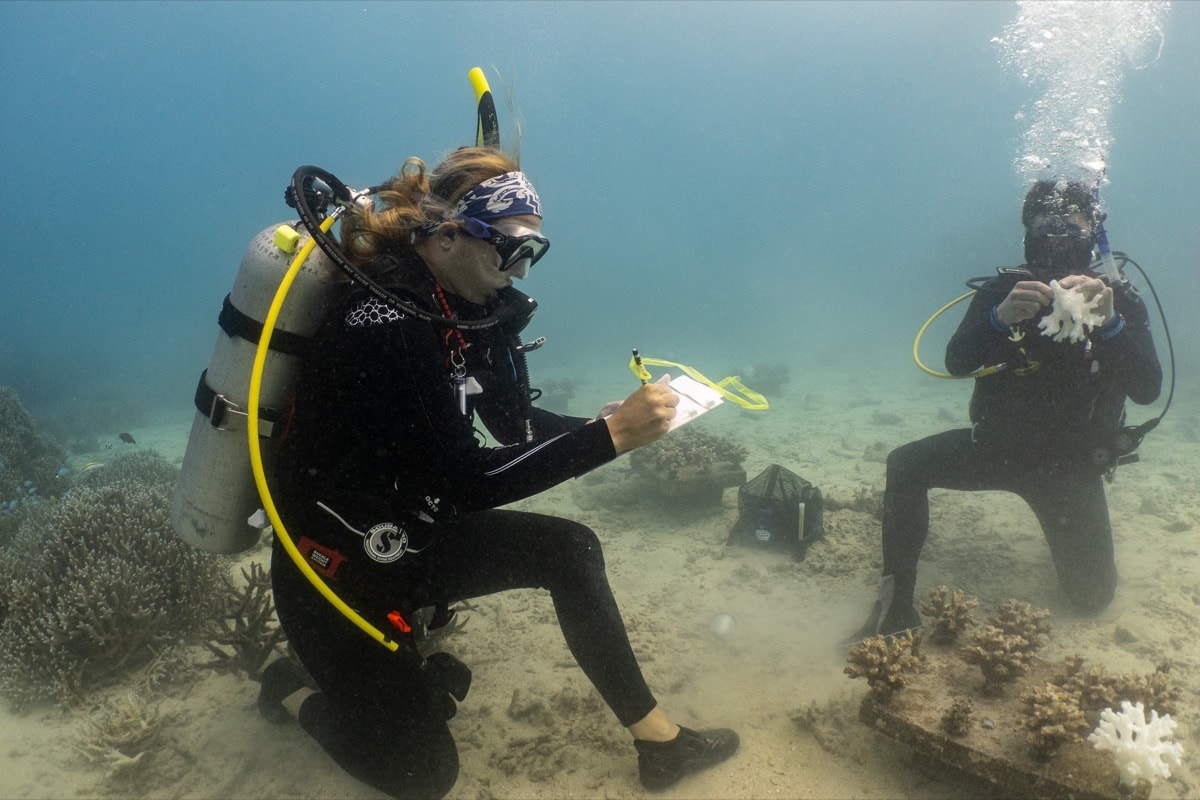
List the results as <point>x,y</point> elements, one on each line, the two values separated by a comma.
<point>280,679</point>
<point>662,764</point>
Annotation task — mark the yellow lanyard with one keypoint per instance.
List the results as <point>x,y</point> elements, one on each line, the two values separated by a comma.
<point>745,397</point>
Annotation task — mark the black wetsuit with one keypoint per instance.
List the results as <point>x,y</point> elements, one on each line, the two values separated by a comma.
<point>390,495</point>
<point>1040,427</point>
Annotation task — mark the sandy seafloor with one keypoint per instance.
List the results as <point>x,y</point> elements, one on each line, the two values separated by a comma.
<point>533,727</point>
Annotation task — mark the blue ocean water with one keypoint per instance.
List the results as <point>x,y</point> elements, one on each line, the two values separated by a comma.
<point>724,183</point>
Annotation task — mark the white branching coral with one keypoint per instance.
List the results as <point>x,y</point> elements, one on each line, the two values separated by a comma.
<point>1071,317</point>
<point>1140,748</point>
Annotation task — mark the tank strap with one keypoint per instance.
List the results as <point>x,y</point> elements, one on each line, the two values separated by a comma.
<point>227,415</point>
<point>236,323</point>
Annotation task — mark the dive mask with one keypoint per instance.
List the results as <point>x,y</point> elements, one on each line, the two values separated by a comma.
<point>1059,228</point>
<point>521,244</point>
<point>1056,247</point>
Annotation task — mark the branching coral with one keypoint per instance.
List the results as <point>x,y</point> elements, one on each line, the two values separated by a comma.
<point>103,584</point>
<point>1007,646</point>
<point>958,718</point>
<point>30,464</point>
<point>692,447</point>
<point>1053,719</point>
<point>885,662</point>
<point>1096,689</point>
<point>1017,618</point>
<point>1142,748</point>
<point>950,614</point>
<point>146,467</point>
<point>244,633</point>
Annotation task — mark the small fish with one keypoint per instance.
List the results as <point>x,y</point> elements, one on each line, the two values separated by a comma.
<point>125,437</point>
<point>91,465</point>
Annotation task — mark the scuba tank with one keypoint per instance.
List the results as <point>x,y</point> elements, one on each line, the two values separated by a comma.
<point>216,503</point>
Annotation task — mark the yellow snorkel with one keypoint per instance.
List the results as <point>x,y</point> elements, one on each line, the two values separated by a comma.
<point>487,128</point>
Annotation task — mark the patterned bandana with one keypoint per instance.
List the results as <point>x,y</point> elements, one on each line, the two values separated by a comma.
<point>506,195</point>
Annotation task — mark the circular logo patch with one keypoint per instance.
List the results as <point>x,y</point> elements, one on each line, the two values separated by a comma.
<point>386,542</point>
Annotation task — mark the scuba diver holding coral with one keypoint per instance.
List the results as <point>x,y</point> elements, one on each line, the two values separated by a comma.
<point>394,497</point>
<point>1047,420</point>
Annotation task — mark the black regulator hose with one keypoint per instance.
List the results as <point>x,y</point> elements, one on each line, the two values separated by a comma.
<point>1151,424</point>
<point>301,197</point>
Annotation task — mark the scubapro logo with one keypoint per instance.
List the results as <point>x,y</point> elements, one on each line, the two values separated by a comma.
<point>386,542</point>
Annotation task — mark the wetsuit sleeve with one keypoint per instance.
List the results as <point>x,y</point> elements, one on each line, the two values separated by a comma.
<point>442,456</point>
<point>980,338</point>
<point>1126,348</point>
<point>502,475</point>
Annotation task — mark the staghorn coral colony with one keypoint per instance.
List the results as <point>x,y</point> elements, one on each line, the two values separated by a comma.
<point>244,634</point>
<point>96,584</point>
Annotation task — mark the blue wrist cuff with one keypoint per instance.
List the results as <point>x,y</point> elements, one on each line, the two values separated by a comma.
<point>1112,328</point>
<point>994,321</point>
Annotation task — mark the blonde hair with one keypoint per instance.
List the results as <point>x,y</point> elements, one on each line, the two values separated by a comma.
<point>416,197</point>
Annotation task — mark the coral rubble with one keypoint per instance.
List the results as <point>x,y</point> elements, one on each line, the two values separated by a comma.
<point>885,661</point>
<point>119,733</point>
<point>950,614</point>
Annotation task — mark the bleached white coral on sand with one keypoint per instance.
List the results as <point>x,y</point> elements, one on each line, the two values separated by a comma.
<point>1140,748</point>
<point>1071,317</point>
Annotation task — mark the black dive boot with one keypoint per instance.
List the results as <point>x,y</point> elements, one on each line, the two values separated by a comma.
<point>280,679</point>
<point>662,764</point>
<point>889,617</point>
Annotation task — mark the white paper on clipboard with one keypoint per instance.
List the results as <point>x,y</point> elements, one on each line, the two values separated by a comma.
<point>694,399</point>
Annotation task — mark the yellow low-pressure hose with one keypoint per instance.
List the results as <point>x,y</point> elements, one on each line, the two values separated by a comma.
<point>979,373</point>
<point>256,461</point>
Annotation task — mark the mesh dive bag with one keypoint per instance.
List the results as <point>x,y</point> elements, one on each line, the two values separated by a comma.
<point>778,510</point>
